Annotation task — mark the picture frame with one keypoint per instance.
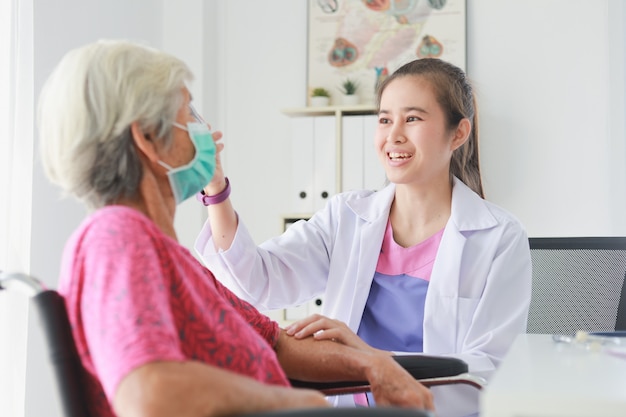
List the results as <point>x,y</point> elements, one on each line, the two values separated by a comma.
<point>365,40</point>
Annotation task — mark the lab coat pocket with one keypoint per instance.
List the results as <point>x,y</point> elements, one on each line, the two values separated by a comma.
<point>466,311</point>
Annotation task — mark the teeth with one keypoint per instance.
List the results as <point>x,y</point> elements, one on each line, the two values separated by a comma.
<point>398,155</point>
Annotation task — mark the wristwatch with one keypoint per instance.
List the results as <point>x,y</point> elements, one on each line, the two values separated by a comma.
<point>208,200</point>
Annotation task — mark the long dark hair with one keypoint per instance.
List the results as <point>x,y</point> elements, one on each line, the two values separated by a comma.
<point>456,97</point>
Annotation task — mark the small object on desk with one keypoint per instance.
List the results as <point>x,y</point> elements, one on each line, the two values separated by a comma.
<point>619,337</point>
<point>590,341</point>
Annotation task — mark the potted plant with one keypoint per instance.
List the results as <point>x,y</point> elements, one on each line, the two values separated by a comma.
<point>320,97</point>
<point>348,89</point>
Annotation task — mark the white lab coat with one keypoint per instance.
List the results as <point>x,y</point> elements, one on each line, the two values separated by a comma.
<point>477,299</point>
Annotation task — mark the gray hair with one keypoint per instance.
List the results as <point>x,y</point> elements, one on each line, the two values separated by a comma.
<point>86,108</point>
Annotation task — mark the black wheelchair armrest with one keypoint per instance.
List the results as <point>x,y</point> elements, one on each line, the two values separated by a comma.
<point>421,367</point>
<point>346,412</point>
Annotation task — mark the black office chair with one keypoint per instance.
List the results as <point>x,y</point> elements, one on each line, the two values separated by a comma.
<point>430,370</point>
<point>579,283</point>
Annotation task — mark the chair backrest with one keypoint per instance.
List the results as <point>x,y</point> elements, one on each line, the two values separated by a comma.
<point>578,284</point>
<point>60,342</point>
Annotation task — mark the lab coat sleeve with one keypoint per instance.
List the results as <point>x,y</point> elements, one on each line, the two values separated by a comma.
<point>287,270</point>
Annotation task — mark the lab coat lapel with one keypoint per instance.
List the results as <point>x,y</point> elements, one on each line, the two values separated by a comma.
<point>374,211</point>
<point>441,309</point>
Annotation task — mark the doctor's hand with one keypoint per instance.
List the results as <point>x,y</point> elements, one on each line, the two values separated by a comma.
<point>324,328</point>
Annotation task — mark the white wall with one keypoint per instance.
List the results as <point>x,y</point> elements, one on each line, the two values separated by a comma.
<point>549,76</point>
<point>549,88</point>
<point>263,68</point>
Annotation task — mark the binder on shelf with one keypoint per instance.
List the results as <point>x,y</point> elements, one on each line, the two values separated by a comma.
<point>302,143</point>
<point>324,160</point>
<point>352,162</point>
<point>373,173</point>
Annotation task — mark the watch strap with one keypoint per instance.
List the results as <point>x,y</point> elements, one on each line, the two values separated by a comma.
<point>208,200</point>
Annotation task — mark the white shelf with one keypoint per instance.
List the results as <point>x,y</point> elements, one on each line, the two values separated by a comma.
<point>330,110</point>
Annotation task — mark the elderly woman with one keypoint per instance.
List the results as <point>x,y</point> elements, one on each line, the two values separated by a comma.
<point>157,334</point>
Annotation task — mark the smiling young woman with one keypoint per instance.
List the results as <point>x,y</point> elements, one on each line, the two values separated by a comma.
<point>424,265</point>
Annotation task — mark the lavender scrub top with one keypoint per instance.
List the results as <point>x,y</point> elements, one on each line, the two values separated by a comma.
<point>394,312</point>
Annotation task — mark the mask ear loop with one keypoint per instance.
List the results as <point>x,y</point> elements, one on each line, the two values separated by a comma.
<point>178,125</point>
<point>164,165</point>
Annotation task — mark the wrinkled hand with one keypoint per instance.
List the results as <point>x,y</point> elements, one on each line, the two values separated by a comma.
<point>218,182</point>
<point>324,328</point>
<point>393,386</point>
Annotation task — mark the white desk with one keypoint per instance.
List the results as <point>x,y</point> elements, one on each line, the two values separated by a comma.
<point>540,378</point>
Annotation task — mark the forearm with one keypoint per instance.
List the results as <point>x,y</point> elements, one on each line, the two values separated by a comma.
<point>194,389</point>
<point>223,220</point>
<point>323,360</point>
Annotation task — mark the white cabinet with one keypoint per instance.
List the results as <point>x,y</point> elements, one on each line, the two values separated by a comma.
<point>332,150</point>
<point>360,167</point>
<point>305,310</point>
<point>291,314</point>
<point>313,162</point>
